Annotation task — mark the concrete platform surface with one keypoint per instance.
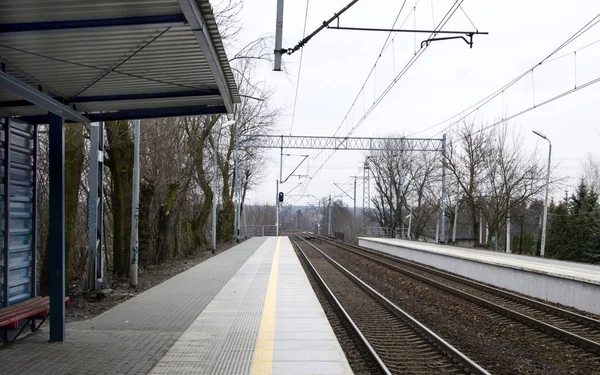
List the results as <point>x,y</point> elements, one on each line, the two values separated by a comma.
<point>588,273</point>
<point>571,284</point>
<point>248,310</point>
<point>265,320</point>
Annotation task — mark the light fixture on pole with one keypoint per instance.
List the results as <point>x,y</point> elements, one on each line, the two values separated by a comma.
<point>545,217</point>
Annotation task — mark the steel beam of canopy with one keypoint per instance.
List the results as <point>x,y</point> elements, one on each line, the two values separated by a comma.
<point>56,230</point>
<point>121,97</point>
<point>196,21</point>
<point>40,99</point>
<point>342,143</point>
<point>143,113</point>
<point>163,20</point>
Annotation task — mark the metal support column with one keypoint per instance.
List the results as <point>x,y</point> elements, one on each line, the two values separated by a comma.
<point>277,208</point>
<point>409,223</point>
<point>400,189</point>
<point>508,250</point>
<point>56,229</point>
<point>443,203</point>
<point>133,253</point>
<point>366,197</point>
<point>354,210</point>
<point>329,227</point>
<point>6,218</point>
<point>455,223</point>
<point>34,236</point>
<point>236,183</point>
<point>278,36</point>
<point>95,268</point>
<point>481,229</point>
<point>281,162</point>
<point>214,202</point>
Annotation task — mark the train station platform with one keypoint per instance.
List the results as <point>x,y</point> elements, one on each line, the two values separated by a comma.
<point>571,284</point>
<point>248,310</point>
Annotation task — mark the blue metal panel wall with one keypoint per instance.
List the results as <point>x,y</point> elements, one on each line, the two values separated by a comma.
<point>3,186</point>
<point>17,245</point>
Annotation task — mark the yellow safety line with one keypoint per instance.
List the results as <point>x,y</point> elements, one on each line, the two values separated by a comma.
<point>262,361</point>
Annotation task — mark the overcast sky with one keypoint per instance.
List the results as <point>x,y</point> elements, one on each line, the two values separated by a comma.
<point>447,79</point>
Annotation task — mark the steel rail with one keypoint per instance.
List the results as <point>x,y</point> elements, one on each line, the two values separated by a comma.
<point>425,332</point>
<point>570,337</point>
<point>332,297</point>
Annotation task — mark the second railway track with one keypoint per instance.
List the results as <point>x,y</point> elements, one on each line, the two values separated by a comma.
<point>574,328</point>
<point>399,343</point>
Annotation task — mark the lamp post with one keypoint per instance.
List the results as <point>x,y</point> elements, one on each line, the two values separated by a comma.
<point>545,218</point>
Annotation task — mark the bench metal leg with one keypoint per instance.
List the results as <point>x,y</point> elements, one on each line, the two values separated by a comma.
<point>39,325</point>
<point>21,330</point>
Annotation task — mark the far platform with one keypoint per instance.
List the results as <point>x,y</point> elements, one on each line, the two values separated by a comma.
<point>568,283</point>
<point>248,310</point>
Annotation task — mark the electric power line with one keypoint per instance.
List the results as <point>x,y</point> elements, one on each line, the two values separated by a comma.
<point>410,63</point>
<point>470,110</point>
<point>299,69</point>
<point>559,96</point>
<point>413,59</point>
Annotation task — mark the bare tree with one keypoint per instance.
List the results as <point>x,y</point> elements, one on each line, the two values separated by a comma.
<point>466,160</point>
<point>591,173</point>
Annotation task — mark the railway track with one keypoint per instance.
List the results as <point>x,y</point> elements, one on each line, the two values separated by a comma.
<point>568,326</point>
<point>397,342</point>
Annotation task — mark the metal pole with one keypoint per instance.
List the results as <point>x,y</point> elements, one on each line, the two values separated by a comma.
<point>6,215</point>
<point>545,219</point>
<point>329,226</point>
<point>409,224</point>
<point>281,162</point>
<point>481,230</point>
<point>443,213</point>
<point>366,197</point>
<point>455,223</point>
<point>236,180</point>
<point>135,195</point>
<point>243,213</point>
<point>401,183</point>
<point>354,210</point>
<point>278,36</point>
<point>214,207</point>
<point>277,208</point>
<point>56,227</point>
<point>508,235</point>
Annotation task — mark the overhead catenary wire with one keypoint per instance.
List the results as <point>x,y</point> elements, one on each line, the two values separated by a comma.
<point>413,59</point>
<point>299,69</point>
<point>409,64</point>
<point>466,15</point>
<point>473,108</point>
<point>520,113</point>
<point>362,89</point>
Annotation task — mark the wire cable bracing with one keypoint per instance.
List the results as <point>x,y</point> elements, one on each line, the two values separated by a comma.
<point>408,65</point>
<point>299,68</point>
<point>460,116</point>
<point>362,89</point>
<point>520,113</point>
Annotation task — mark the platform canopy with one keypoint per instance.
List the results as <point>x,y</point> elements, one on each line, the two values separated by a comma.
<point>113,59</point>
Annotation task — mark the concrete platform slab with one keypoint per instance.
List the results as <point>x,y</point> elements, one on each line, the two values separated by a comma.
<point>571,284</point>
<point>131,337</point>
<point>265,320</point>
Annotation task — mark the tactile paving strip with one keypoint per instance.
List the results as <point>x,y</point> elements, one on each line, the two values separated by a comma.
<point>221,340</point>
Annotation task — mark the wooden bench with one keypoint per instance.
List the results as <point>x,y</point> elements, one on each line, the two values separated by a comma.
<point>31,309</point>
